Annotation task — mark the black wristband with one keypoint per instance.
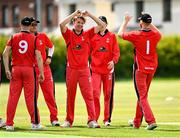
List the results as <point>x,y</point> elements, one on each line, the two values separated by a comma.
<point>49,57</point>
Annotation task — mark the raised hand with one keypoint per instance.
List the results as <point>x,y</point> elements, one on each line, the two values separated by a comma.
<point>77,13</point>
<point>127,17</point>
<point>84,13</point>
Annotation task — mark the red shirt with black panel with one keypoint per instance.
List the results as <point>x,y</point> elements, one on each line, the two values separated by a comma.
<point>45,43</point>
<point>78,48</point>
<point>145,43</point>
<point>104,49</point>
<point>23,47</point>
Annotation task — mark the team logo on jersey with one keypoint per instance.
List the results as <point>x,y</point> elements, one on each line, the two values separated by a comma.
<point>89,79</point>
<point>77,47</point>
<point>82,38</point>
<point>40,42</point>
<point>107,40</point>
<point>102,49</point>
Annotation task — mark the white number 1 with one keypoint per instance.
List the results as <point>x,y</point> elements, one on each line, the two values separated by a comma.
<point>23,46</point>
<point>147,47</point>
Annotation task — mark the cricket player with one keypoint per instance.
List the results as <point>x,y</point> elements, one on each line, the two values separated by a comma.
<point>47,86</point>
<point>24,47</point>
<point>105,54</point>
<point>77,70</point>
<point>145,43</point>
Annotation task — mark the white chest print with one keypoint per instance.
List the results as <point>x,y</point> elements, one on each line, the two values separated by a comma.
<point>89,79</point>
<point>40,42</point>
<point>82,38</point>
<point>107,40</point>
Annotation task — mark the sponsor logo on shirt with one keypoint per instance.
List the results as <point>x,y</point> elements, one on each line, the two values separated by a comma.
<point>149,68</point>
<point>77,47</point>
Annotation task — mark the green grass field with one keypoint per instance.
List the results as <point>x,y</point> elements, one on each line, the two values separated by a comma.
<point>164,97</point>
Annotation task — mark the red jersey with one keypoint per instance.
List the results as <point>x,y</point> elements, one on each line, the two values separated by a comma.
<point>78,48</point>
<point>46,42</point>
<point>23,47</point>
<point>145,43</point>
<point>104,49</point>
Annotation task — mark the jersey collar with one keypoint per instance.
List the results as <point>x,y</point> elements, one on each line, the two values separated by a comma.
<point>25,31</point>
<point>105,32</point>
<point>145,30</point>
<point>76,33</point>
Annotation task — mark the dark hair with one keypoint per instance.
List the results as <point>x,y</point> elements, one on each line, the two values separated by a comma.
<point>78,17</point>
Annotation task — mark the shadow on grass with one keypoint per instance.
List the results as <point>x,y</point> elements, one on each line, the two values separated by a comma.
<point>54,129</point>
<point>168,130</point>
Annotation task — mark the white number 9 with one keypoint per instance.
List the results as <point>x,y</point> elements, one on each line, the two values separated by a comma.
<point>23,46</point>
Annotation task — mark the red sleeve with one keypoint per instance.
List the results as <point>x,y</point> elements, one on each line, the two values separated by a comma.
<point>130,36</point>
<point>66,35</point>
<point>91,32</point>
<point>38,44</point>
<point>9,42</point>
<point>158,35</point>
<point>48,42</point>
<point>116,50</point>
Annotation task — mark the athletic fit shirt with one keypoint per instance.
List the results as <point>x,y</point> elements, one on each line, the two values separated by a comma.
<point>145,43</point>
<point>23,47</point>
<point>104,49</point>
<point>45,42</point>
<point>78,48</point>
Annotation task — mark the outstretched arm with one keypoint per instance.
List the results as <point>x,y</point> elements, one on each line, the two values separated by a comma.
<point>67,20</point>
<point>123,26</point>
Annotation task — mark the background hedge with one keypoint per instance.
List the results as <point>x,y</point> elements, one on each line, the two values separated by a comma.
<point>168,51</point>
